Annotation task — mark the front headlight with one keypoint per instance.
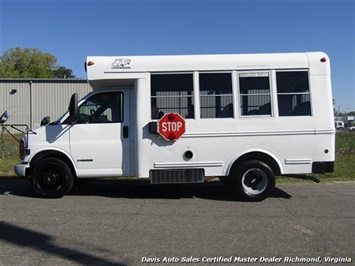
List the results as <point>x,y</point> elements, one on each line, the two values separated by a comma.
<point>22,148</point>
<point>24,151</point>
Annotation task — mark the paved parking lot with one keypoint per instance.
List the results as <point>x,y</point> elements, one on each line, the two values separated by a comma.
<point>115,223</point>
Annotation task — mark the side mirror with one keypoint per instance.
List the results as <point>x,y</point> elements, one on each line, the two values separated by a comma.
<point>45,121</point>
<point>4,117</point>
<point>73,108</point>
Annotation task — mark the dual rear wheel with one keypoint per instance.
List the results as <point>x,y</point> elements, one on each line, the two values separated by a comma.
<point>252,180</point>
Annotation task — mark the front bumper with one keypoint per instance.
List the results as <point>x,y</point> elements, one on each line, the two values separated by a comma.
<point>21,169</point>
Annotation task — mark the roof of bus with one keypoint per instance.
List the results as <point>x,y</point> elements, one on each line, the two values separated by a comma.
<point>99,66</point>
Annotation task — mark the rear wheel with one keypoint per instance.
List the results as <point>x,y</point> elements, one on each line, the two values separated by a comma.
<point>52,178</point>
<point>253,180</point>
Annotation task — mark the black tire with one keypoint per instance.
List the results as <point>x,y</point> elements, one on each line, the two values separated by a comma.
<point>52,178</point>
<point>253,180</point>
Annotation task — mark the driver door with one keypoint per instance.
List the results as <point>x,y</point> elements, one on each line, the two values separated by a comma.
<point>100,141</point>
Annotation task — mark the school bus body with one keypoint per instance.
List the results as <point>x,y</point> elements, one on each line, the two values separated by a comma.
<point>246,119</point>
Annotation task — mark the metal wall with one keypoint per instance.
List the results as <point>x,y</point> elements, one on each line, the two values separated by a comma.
<point>49,97</point>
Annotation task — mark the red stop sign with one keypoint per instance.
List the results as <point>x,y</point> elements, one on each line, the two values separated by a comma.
<point>171,126</point>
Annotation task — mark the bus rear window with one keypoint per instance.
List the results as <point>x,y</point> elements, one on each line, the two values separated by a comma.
<point>293,93</point>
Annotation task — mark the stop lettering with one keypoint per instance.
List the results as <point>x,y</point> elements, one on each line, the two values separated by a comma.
<point>171,126</point>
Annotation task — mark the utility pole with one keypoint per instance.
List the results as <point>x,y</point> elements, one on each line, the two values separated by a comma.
<point>30,105</point>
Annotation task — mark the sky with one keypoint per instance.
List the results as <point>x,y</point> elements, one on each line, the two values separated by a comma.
<point>71,30</point>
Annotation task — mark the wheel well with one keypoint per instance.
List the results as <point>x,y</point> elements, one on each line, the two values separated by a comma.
<point>54,154</point>
<point>263,157</point>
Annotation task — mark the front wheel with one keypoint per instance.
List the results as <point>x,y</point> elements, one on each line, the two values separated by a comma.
<point>253,180</point>
<point>52,178</point>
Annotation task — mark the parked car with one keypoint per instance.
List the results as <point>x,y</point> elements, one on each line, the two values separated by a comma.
<point>352,129</point>
<point>339,124</point>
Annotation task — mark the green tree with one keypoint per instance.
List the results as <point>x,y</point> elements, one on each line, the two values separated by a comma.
<point>63,73</point>
<point>30,63</point>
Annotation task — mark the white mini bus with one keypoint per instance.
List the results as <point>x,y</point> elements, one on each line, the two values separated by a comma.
<point>183,119</point>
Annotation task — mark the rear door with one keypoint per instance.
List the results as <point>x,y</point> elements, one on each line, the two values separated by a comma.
<point>100,142</point>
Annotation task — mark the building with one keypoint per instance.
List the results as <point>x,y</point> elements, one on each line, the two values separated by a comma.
<point>347,120</point>
<point>28,101</point>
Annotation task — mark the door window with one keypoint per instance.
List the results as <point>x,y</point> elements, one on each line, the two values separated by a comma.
<point>102,108</point>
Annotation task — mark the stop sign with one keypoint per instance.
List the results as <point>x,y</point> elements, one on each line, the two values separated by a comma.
<point>171,126</point>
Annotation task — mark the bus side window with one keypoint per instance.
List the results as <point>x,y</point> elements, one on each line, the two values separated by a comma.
<point>171,93</point>
<point>216,97</point>
<point>255,99</point>
<point>293,93</point>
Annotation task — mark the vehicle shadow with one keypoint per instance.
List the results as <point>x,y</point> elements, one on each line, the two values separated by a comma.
<point>40,242</point>
<point>214,190</point>
<point>137,189</point>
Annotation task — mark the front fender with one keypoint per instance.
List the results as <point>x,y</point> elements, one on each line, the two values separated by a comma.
<point>56,153</point>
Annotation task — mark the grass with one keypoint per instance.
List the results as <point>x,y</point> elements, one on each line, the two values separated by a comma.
<point>344,167</point>
<point>344,164</point>
<point>343,171</point>
<point>9,155</point>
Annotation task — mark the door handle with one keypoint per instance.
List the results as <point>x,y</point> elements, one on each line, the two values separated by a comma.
<point>125,132</point>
